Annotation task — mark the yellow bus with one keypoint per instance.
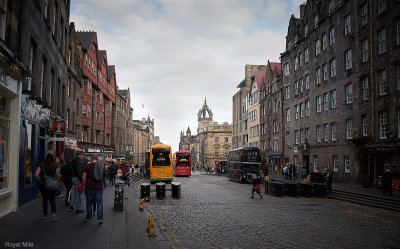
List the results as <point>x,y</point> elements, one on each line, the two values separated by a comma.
<point>161,169</point>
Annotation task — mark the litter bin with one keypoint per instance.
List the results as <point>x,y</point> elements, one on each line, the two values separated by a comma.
<point>306,190</point>
<point>160,190</point>
<point>119,197</point>
<point>176,190</point>
<point>291,189</point>
<point>319,190</point>
<point>144,190</point>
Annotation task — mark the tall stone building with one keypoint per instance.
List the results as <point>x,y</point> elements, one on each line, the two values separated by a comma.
<point>123,124</point>
<point>271,118</point>
<point>212,142</point>
<point>257,80</point>
<point>341,88</point>
<point>240,108</point>
<point>143,139</point>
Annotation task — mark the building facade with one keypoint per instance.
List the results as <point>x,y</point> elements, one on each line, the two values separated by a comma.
<point>253,122</point>
<point>240,108</point>
<point>141,139</point>
<point>123,125</point>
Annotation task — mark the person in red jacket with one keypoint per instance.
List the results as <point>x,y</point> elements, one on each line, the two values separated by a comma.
<point>256,188</point>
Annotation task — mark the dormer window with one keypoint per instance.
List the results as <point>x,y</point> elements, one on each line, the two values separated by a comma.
<point>316,20</point>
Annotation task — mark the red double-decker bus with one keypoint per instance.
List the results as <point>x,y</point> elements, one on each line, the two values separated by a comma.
<point>183,163</point>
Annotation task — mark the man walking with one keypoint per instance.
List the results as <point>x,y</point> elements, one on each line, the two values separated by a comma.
<point>77,167</point>
<point>93,183</point>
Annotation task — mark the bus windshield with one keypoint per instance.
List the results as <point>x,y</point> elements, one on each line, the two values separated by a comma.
<point>161,157</point>
<point>182,159</point>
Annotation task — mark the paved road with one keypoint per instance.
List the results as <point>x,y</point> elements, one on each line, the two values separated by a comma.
<point>216,213</point>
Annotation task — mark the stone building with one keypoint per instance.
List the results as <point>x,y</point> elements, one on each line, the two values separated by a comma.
<point>74,93</point>
<point>98,97</point>
<point>253,123</point>
<point>271,118</point>
<point>341,90</point>
<point>123,125</point>
<point>240,108</point>
<point>143,130</point>
<point>212,142</point>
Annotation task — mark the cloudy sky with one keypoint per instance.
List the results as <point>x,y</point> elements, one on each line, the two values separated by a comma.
<point>173,54</point>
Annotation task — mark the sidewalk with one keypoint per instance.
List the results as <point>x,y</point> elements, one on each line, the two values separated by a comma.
<point>120,230</point>
<point>341,186</point>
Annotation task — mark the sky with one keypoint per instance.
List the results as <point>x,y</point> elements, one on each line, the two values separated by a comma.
<point>172,54</point>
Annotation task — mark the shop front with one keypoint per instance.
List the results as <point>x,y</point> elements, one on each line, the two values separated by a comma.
<point>34,130</point>
<point>10,89</point>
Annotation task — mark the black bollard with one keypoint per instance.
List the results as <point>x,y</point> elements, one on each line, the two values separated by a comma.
<point>160,190</point>
<point>119,197</point>
<point>176,190</point>
<point>144,190</point>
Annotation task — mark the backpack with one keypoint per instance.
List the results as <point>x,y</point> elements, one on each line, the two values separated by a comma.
<point>113,170</point>
<point>98,171</point>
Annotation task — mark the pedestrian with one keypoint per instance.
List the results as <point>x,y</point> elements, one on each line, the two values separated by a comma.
<point>66,174</point>
<point>329,180</point>
<point>48,168</point>
<point>112,172</point>
<point>295,168</point>
<point>387,182</point>
<point>59,162</point>
<point>105,174</point>
<point>77,167</point>
<point>304,172</point>
<point>256,187</point>
<point>396,180</point>
<point>92,177</point>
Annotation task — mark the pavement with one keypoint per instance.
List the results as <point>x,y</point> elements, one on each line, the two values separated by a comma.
<point>121,230</point>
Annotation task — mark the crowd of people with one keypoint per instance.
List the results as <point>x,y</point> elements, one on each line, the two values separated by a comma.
<point>390,181</point>
<point>78,176</point>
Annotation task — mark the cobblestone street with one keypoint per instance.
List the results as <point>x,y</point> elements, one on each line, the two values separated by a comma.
<point>216,213</point>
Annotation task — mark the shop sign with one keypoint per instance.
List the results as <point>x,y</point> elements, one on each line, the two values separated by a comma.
<point>69,141</point>
<point>94,150</point>
<point>58,127</point>
<point>35,111</point>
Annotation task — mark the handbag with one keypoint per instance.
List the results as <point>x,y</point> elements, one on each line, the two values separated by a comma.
<point>80,187</point>
<point>51,183</point>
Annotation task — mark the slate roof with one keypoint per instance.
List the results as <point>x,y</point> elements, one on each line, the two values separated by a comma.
<point>102,55</point>
<point>85,38</point>
<point>276,66</point>
<point>242,84</point>
<point>260,78</point>
<point>111,70</point>
<point>123,93</point>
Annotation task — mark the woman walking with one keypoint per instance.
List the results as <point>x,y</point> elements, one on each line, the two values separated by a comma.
<point>48,168</point>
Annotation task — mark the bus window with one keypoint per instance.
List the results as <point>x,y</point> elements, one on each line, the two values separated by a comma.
<point>161,157</point>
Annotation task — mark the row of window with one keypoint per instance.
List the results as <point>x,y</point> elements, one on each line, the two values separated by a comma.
<point>335,163</point>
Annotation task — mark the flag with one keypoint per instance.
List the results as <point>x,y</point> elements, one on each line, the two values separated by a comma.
<point>142,105</point>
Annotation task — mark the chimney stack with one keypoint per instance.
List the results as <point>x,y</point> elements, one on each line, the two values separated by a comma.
<point>302,10</point>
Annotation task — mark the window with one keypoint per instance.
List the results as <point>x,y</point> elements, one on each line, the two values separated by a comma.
<point>216,151</point>
<point>364,14</point>
<point>318,76</point>
<point>330,6</point>
<point>324,41</point>
<point>349,93</point>
<point>364,125</point>
<point>287,92</point>
<point>226,151</point>
<point>317,47</point>
<point>286,69</point>
<point>302,136</point>
<point>347,164</point>
<point>307,134</point>
<point>84,110</point>
<point>348,59</point>
<point>226,140</point>
<point>302,110</point>
<point>297,111</point>
<point>398,76</point>
<point>365,50</point>
<point>297,136</point>
<point>301,56</point>
<point>307,108</point>
<point>326,101</point>
<point>296,87</point>
<point>316,20</point>
<point>326,132</point>
<point>333,132</point>
<point>305,29</point>
<point>333,99</point>
<point>335,163</point>
<point>287,138</point>
<point>333,67</point>
<point>32,64</point>
<point>347,25</point>
<point>43,79</point>
<point>365,83</point>
<point>97,116</point>
<point>382,40</point>
<point>216,140</point>
<point>301,83</point>
<point>67,118</point>
<point>318,104</point>
<point>383,125</point>
<point>319,135</point>
<point>349,128</point>
<point>381,6</point>
<point>288,115</point>
<point>296,62</point>
<point>307,55</point>
<point>307,79</point>
<point>315,159</point>
<point>325,71</point>
<point>382,82</point>
<point>332,36</point>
